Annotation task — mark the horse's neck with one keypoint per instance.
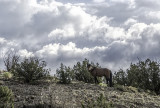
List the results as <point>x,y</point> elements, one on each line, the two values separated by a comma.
<point>93,69</point>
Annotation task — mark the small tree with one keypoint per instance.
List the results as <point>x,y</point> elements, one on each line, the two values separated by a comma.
<point>82,74</point>
<point>144,74</point>
<point>120,77</point>
<point>65,74</point>
<point>31,69</point>
<point>10,60</point>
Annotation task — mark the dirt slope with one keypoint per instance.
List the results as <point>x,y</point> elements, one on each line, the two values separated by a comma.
<point>72,95</point>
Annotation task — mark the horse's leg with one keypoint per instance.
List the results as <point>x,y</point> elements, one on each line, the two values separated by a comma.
<point>96,80</point>
<point>110,80</point>
<point>107,80</point>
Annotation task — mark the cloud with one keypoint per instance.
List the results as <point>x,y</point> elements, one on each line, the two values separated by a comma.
<point>154,4</point>
<point>98,1</point>
<point>24,53</point>
<point>6,45</point>
<point>130,22</point>
<point>67,32</point>
<point>135,30</point>
<point>113,32</point>
<point>154,15</point>
<point>59,53</point>
<point>56,50</point>
<point>2,40</point>
<point>14,15</point>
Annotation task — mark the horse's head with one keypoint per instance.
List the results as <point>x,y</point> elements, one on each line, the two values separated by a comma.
<point>90,67</point>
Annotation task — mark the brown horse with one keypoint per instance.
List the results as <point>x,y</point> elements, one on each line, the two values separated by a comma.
<point>100,72</point>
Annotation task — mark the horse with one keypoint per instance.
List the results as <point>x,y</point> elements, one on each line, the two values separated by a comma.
<point>100,72</point>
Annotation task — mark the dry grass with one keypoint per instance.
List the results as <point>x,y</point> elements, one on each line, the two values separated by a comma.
<point>72,95</point>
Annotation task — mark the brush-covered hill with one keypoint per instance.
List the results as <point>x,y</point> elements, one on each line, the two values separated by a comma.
<point>78,95</point>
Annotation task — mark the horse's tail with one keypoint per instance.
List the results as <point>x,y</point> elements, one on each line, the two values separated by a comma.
<point>110,80</point>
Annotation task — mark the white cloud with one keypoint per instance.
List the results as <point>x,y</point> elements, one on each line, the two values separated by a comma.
<point>68,53</point>
<point>134,32</point>
<point>51,49</point>
<point>154,4</point>
<point>131,3</point>
<point>67,32</point>
<point>24,53</point>
<point>69,50</point>
<point>153,15</point>
<point>130,21</point>
<point>98,1</point>
<point>2,40</point>
<point>7,44</point>
<point>81,18</point>
<point>102,31</point>
<point>110,32</point>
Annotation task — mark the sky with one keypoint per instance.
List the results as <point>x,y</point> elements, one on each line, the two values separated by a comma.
<point>113,33</point>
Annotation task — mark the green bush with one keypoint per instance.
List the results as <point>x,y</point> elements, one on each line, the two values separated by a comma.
<point>6,97</point>
<point>65,74</point>
<point>82,74</point>
<point>7,75</point>
<point>100,102</point>
<point>103,84</point>
<point>121,88</point>
<point>10,60</point>
<point>79,72</point>
<point>144,75</point>
<point>31,69</point>
<point>120,78</point>
<point>1,75</point>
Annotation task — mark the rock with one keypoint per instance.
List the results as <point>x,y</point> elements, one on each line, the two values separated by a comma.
<point>17,98</point>
<point>32,97</point>
<point>1,82</point>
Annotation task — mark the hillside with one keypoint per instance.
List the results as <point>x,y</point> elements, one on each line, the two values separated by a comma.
<point>72,95</point>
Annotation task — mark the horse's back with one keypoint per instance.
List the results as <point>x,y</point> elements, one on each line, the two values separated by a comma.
<point>107,72</point>
<point>103,72</point>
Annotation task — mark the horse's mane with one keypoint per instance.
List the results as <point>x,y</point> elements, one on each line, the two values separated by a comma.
<point>93,69</point>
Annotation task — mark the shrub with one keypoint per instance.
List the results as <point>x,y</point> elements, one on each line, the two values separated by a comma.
<point>6,97</point>
<point>120,77</point>
<point>103,84</point>
<point>144,75</point>
<point>82,74</point>
<point>1,82</point>
<point>100,102</point>
<point>7,75</point>
<point>121,88</point>
<point>79,72</point>
<point>10,60</point>
<point>31,69</point>
<point>65,74</point>
<point>1,74</point>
